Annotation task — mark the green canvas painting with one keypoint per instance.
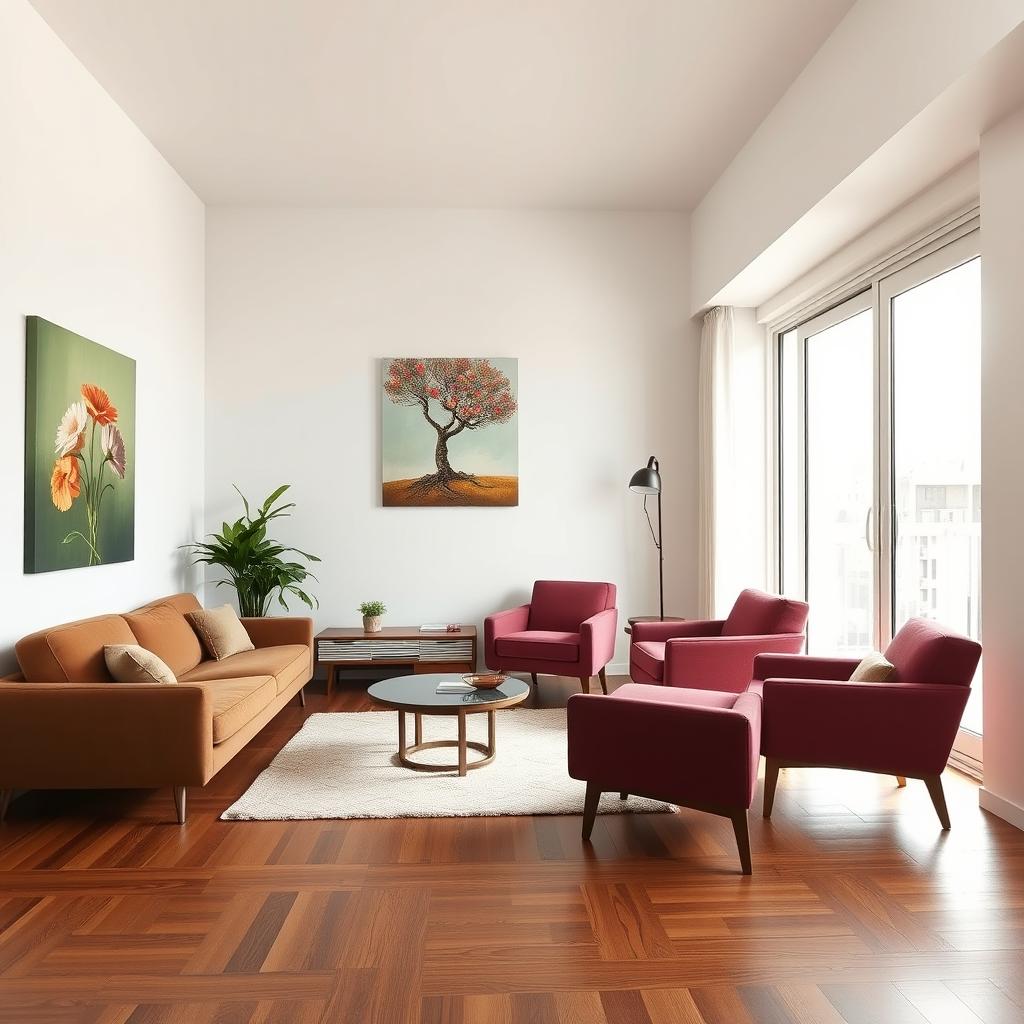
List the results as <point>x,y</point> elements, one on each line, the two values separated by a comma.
<point>450,432</point>
<point>79,451</point>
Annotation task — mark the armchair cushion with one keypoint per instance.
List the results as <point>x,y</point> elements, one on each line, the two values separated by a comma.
<point>539,645</point>
<point>560,606</point>
<point>756,613</point>
<point>649,657</point>
<point>923,652</point>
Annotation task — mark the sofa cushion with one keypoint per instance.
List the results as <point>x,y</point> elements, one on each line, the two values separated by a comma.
<point>539,645</point>
<point>186,602</point>
<point>236,702</point>
<point>285,663</point>
<point>72,652</point>
<point>758,614</point>
<point>649,656</point>
<point>162,629</point>
<point>220,631</point>
<point>561,605</point>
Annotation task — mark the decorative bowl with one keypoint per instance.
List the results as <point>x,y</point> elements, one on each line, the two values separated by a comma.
<point>484,680</point>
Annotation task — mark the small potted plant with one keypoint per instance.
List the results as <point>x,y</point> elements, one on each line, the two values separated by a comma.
<point>372,612</point>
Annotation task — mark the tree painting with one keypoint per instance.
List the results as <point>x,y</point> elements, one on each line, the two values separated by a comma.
<point>449,433</point>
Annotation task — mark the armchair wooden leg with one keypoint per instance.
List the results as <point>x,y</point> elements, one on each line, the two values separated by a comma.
<point>604,680</point>
<point>179,803</point>
<point>302,697</point>
<point>5,802</point>
<point>739,827</point>
<point>771,780</point>
<point>934,784</point>
<point>585,684</point>
<point>533,677</point>
<point>623,796</point>
<point>900,781</point>
<point>590,808</point>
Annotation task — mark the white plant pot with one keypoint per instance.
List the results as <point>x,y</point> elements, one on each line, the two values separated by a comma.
<point>371,623</point>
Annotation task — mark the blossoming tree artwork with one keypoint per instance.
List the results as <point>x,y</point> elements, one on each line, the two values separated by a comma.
<point>79,436</point>
<point>450,431</point>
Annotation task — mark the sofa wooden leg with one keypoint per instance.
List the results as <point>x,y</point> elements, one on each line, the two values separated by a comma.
<point>900,781</point>
<point>179,803</point>
<point>934,784</point>
<point>533,677</point>
<point>739,827</point>
<point>771,780</point>
<point>5,802</point>
<point>604,681</point>
<point>585,684</point>
<point>593,798</point>
<point>302,697</point>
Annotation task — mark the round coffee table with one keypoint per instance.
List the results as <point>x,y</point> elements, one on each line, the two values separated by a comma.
<point>417,695</point>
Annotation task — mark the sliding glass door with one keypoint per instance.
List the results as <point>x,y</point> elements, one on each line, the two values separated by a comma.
<point>879,480</point>
<point>840,478</point>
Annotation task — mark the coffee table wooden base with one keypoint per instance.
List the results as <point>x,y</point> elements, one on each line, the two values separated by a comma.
<point>488,749</point>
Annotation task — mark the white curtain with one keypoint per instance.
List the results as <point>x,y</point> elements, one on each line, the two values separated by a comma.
<point>734,454</point>
<point>716,340</point>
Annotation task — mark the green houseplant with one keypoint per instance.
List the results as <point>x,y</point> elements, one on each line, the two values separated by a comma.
<point>372,612</point>
<point>254,563</point>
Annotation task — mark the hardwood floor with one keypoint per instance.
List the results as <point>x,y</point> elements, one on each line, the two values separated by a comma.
<point>860,909</point>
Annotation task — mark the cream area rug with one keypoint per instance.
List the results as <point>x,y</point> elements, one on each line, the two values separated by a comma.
<point>345,765</point>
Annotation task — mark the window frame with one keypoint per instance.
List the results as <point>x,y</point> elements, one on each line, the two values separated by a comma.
<point>931,253</point>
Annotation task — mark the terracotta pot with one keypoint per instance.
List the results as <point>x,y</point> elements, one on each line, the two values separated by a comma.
<point>371,623</point>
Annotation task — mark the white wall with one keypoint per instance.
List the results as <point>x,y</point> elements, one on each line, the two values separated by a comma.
<point>99,235</point>
<point>1002,224</point>
<point>883,65</point>
<point>304,303</point>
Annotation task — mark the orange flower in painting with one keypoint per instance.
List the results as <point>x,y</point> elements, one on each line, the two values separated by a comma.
<point>98,404</point>
<point>64,483</point>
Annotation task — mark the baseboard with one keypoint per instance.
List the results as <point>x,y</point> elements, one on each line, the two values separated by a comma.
<point>1005,809</point>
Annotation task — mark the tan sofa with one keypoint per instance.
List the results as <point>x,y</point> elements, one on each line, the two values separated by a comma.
<point>65,724</point>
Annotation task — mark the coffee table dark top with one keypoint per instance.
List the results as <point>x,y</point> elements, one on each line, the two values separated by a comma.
<point>417,693</point>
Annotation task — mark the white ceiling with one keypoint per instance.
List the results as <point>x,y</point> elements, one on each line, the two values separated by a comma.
<point>575,103</point>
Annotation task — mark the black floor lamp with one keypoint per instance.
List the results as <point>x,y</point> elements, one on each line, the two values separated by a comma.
<point>647,481</point>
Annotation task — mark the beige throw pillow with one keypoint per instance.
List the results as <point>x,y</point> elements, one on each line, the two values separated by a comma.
<point>873,669</point>
<point>130,663</point>
<point>220,631</point>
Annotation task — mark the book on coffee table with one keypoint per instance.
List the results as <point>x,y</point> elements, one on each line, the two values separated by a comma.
<point>454,687</point>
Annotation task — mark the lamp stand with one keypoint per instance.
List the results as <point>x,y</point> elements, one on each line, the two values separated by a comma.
<point>661,567</point>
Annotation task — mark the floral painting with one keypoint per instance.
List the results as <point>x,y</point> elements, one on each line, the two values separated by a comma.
<point>450,431</point>
<point>79,441</point>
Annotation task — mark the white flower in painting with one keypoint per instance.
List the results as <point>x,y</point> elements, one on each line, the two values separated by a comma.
<point>71,432</point>
<point>112,444</point>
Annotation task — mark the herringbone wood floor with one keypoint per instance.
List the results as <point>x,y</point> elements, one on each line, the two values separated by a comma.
<point>860,909</point>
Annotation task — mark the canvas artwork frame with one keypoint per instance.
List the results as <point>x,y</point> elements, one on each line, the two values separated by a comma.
<point>79,450</point>
<point>450,431</point>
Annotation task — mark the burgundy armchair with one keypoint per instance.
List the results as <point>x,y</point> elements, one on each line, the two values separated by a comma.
<point>815,717</point>
<point>695,748</point>
<point>717,654</point>
<point>567,629</point>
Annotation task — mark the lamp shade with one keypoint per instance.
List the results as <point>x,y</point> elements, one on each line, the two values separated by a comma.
<point>646,480</point>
